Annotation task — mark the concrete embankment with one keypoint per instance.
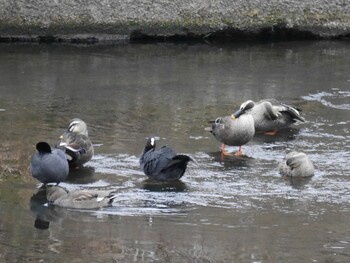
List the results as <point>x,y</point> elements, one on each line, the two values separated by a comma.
<point>104,20</point>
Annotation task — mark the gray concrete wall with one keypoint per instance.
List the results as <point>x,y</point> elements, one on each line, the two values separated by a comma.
<point>118,19</point>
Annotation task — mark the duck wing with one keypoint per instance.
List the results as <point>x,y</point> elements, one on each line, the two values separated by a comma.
<point>83,195</point>
<point>78,147</point>
<point>294,112</point>
<point>75,143</point>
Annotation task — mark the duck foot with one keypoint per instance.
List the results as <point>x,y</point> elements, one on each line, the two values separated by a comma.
<point>271,133</point>
<point>226,153</point>
<point>239,152</point>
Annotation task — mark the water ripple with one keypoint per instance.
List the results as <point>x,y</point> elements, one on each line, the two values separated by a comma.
<point>210,184</point>
<point>326,99</point>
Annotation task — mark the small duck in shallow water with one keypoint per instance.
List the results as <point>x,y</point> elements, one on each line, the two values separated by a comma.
<point>234,130</point>
<point>76,143</point>
<point>79,199</point>
<point>271,115</point>
<point>163,163</point>
<point>49,166</point>
<point>296,164</point>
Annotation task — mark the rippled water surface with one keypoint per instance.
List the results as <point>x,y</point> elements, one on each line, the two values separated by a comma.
<point>236,209</point>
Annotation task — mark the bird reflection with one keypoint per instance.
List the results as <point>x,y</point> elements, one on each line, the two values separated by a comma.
<point>284,135</point>
<point>298,183</point>
<point>43,214</point>
<point>164,186</point>
<point>233,162</point>
<point>82,175</point>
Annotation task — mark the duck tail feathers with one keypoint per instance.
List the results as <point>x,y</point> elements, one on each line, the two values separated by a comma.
<point>294,112</point>
<point>111,197</point>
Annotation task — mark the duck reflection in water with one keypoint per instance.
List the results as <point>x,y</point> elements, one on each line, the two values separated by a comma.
<point>43,213</point>
<point>233,162</point>
<point>83,175</point>
<point>283,135</point>
<point>298,183</point>
<point>164,186</point>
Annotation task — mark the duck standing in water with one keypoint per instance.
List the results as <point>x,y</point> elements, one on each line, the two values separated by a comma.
<point>234,130</point>
<point>271,116</point>
<point>49,166</point>
<point>296,164</point>
<point>79,199</point>
<point>76,143</point>
<point>163,164</point>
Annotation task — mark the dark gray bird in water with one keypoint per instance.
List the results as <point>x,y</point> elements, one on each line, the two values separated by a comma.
<point>49,166</point>
<point>163,164</point>
<point>76,143</point>
<point>296,164</point>
<point>271,115</point>
<point>79,199</point>
<point>234,130</point>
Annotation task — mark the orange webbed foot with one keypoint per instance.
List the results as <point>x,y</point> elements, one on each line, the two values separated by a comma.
<point>272,133</point>
<point>239,152</point>
<point>226,153</point>
<point>223,150</point>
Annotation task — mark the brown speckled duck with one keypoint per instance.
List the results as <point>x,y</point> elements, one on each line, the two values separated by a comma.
<point>76,143</point>
<point>79,199</point>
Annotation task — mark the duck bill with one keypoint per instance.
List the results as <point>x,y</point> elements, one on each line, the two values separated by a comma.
<point>238,113</point>
<point>65,135</point>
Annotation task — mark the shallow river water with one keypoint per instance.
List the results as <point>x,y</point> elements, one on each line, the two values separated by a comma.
<point>236,209</point>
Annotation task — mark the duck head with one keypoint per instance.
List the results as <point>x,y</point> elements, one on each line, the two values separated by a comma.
<point>77,126</point>
<point>245,106</point>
